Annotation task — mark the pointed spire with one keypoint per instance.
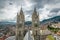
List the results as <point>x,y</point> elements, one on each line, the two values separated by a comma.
<point>35,9</point>
<point>34,12</point>
<point>17,17</point>
<point>21,7</point>
<point>21,11</point>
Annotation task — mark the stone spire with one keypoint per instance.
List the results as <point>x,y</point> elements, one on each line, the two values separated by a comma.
<point>35,24</point>
<point>35,12</point>
<point>35,18</point>
<point>20,25</point>
<point>17,17</point>
<point>21,11</point>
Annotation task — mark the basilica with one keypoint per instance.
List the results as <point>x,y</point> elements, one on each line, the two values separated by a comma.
<point>21,30</point>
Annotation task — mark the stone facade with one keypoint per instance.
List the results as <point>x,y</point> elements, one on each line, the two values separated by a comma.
<point>21,29</point>
<point>20,25</point>
<point>35,25</point>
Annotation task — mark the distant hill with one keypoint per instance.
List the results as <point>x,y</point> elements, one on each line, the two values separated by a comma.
<point>5,23</point>
<point>28,23</point>
<point>53,20</point>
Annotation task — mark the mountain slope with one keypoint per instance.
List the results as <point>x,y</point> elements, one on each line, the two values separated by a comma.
<point>53,20</point>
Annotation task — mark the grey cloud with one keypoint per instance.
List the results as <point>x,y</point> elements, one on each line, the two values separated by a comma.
<point>52,15</point>
<point>1,12</point>
<point>53,1</point>
<point>2,3</point>
<point>39,4</point>
<point>55,10</point>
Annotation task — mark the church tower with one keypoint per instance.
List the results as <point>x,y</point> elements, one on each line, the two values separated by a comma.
<point>20,25</point>
<point>35,18</point>
<point>35,25</point>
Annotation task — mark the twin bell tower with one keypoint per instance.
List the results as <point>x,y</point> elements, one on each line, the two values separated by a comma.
<point>21,30</point>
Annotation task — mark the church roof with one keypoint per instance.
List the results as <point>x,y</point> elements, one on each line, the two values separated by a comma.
<point>28,36</point>
<point>11,38</point>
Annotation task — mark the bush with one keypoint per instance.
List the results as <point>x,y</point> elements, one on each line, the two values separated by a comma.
<point>53,29</point>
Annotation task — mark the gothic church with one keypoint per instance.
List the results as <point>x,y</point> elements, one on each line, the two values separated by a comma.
<point>20,27</point>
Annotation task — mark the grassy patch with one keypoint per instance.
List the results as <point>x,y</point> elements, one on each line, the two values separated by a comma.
<point>50,37</point>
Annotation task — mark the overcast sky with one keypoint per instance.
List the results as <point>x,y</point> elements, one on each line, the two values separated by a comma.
<point>46,9</point>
